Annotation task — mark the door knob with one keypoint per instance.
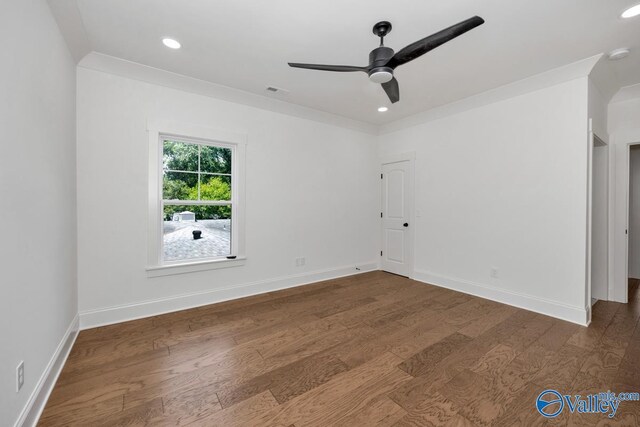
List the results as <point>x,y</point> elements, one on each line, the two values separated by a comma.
<point>406,224</point>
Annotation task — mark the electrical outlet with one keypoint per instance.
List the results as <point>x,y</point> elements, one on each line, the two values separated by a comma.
<point>494,272</point>
<point>19,376</point>
<point>300,261</point>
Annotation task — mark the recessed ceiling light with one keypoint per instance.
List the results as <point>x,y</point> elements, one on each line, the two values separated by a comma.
<point>382,109</point>
<point>171,43</point>
<point>631,12</point>
<point>616,54</point>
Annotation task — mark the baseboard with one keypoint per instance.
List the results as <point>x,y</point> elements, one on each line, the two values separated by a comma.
<point>38,399</point>
<point>123,313</point>
<point>579,315</point>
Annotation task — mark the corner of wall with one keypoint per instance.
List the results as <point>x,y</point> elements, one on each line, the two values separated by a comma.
<point>35,405</point>
<point>574,314</point>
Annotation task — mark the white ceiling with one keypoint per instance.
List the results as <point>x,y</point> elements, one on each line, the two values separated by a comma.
<point>246,44</point>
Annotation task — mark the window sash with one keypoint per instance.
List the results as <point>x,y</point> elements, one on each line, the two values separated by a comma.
<point>201,173</point>
<point>171,202</point>
<point>198,202</point>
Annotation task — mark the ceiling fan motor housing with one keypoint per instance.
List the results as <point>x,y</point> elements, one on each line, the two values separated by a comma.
<point>378,58</point>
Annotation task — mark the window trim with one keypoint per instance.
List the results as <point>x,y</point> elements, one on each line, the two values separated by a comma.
<point>202,135</point>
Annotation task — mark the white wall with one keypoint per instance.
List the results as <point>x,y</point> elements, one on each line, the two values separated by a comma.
<point>312,191</point>
<point>505,186</point>
<point>624,129</point>
<point>634,212</point>
<point>38,299</point>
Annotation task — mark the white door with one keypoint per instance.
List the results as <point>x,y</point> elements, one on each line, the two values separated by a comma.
<point>397,202</point>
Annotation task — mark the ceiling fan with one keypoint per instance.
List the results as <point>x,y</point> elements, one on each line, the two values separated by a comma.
<point>383,60</point>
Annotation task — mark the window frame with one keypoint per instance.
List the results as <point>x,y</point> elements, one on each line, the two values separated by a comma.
<point>158,133</point>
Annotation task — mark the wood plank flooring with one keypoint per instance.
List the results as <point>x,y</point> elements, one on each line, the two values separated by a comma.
<point>366,350</point>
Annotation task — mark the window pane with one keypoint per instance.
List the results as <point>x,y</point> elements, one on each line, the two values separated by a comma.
<point>213,223</point>
<point>179,186</point>
<point>215,159</point>
<point>180,156</point>
<point>215,187</point>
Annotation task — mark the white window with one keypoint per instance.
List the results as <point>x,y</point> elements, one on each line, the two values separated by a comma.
<point>196,191</point>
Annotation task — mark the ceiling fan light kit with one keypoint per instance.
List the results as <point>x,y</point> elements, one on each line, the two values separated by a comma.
<point>382,75</point>
<point>383,60</point>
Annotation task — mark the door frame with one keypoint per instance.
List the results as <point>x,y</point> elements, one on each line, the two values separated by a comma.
<point>595,142</point>
<point>627,185</point>
<point>397,158</point>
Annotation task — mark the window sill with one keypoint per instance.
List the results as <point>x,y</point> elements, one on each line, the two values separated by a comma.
<point>169,270</point>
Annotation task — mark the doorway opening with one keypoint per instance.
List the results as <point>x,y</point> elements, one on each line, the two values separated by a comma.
<point>599,220</point>
<point>633,236</point>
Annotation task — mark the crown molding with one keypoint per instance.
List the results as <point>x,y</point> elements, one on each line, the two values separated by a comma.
<point>549,78</point>
<point>109,64</point>
<point>627,93</point>
<point>71,25</point>
<point>133,70</point>
<point>605,78</point>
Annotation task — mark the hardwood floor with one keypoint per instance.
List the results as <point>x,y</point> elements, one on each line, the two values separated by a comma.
<point>372,349</point>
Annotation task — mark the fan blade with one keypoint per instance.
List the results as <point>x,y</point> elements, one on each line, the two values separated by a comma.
<point>419,48</point>
<point>321,67</point>
<point>392,89</point>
